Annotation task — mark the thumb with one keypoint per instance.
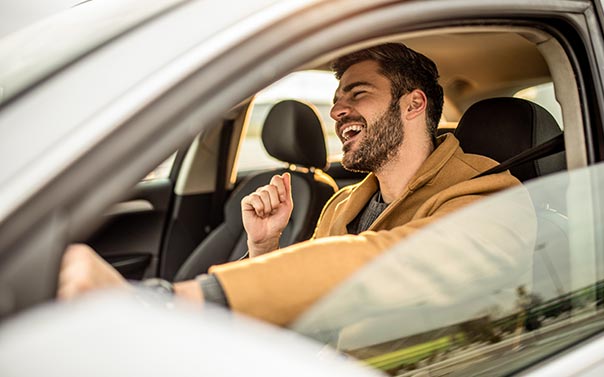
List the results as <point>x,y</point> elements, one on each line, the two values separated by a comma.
<point>287,182</point>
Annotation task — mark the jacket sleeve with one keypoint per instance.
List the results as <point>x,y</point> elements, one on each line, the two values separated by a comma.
<point>279,286</point>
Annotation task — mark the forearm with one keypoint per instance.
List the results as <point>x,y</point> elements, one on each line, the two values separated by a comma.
<point>277,287</point>
<point>204,288</point>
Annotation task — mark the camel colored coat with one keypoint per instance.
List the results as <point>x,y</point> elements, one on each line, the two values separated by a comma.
<point>279,286</point>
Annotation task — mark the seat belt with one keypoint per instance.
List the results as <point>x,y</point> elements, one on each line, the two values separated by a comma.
<point>548,148</point>
<point>219,196</point>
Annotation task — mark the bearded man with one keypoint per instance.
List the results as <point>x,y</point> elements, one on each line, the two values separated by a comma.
<point>387,108</point>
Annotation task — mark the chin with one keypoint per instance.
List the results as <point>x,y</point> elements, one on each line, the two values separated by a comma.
<point>351,166</point>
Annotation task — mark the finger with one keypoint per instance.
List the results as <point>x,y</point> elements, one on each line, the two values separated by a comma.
<point>273,193</point>
<point>73,281</point>
<point>65,293</point>
<point>287,182</point>
<point>266,201</point>
<point>66,272</point>
<point>252,202</point>
<point>68,291</point>
<point>74,259</point>
<point>71,253</point>
<point>62,284</point>
<point>279,183</point>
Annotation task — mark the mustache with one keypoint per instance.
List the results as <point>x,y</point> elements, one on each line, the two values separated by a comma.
<point>350,119</point>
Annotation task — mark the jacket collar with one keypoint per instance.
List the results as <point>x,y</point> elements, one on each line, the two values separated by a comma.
<point>362,192</point>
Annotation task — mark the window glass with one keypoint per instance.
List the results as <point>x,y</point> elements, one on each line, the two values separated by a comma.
<point>543,95</point>
<point>489,290</point>
<point>312,87</point>
<point>162,170</point>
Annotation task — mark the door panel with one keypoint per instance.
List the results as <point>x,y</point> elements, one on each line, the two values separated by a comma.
<point>131,236</point>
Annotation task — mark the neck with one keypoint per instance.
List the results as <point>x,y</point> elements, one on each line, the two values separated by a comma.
<point>396,174</point>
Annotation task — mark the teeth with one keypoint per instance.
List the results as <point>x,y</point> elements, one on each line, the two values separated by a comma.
<point>355,128</point>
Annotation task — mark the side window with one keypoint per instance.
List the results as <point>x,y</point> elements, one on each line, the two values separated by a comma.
<point>543,95</point>
<point>313,87</point>
<point>162,170</point>
<point>485,291</point>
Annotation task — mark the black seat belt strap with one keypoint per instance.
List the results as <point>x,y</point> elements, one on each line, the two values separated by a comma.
<point>548,148</point>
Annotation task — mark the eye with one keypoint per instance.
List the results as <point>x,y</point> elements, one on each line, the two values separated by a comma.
<point>358,93</point>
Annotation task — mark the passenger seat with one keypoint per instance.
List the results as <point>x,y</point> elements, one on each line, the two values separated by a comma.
<point>501,128</point>
<point>292,133</point>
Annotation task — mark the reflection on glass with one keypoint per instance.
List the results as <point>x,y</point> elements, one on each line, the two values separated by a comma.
<point>487,291</point>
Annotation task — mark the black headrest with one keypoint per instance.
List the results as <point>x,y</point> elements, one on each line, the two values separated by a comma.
<point>292,133</point>
<point>501,128</point>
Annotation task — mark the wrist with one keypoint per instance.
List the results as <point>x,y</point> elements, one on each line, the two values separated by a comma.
<point>160,286</point>
<point>263,247</point>
<point>189,290</point>
<point>154,292</point>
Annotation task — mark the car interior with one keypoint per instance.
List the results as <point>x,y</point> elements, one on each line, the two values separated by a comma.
<point>516,86</point>
<point>292,133</point>
<point>189,219</point>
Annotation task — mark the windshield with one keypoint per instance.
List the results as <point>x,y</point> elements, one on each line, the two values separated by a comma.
<point>489,290</point>
<point>32,53</point>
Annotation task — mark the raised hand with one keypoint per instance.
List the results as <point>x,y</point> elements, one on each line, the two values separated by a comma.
<point>266,213</point>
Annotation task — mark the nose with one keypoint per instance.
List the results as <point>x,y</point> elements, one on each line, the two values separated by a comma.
<point>339,110</point>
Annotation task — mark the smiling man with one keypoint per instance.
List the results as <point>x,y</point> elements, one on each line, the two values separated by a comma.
<point>387,109</point>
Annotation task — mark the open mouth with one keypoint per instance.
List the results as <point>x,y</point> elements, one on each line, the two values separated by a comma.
<point>350,132</point>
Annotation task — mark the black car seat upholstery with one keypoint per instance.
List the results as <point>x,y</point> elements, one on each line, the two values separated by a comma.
<point>501,128</point>
<point>292,133</point>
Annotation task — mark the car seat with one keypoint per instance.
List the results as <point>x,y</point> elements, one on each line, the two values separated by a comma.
<point>292,133</point>
<point>501,128</point>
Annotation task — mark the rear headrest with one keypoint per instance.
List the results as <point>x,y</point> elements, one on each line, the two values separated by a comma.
<point>501,128</point>
<point>292,133</point>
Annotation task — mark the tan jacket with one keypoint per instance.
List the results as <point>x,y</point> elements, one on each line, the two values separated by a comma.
<point>279,286</point>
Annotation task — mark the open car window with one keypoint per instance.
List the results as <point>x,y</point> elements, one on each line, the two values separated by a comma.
<point>489,290</point>
<point>315,88</point>
<point>544,95</point>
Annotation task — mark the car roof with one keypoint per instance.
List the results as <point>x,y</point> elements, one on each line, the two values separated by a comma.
<point>477,63</point>
<point>30,54</point>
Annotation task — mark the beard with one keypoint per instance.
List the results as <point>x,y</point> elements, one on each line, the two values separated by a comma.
<point>380,143</point>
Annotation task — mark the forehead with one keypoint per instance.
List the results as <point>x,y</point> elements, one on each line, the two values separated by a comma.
<point>365,71</point>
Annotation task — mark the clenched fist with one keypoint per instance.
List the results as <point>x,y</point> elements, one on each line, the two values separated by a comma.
<point>266,213</point>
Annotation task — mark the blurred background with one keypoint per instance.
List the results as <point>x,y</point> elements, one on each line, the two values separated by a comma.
<point>15,14</point>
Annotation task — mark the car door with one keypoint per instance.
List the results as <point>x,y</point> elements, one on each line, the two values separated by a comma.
<point>171,211</point>
<point>464,298</point>
<point>171,102</point>
<point>132,231</point>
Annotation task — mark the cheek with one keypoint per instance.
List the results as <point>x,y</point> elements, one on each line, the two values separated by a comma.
<point>372,117</point>
<point>372,110</point>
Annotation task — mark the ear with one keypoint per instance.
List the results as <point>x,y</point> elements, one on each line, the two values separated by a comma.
<point>413,104</point>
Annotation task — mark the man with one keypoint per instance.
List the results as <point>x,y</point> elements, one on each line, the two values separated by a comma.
<point>387,107</point>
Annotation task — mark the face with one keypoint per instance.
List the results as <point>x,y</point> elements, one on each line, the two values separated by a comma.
<point>368,121</point>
